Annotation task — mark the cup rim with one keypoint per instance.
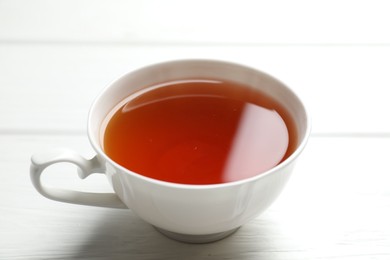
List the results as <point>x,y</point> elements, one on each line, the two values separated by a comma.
<point>261,175</point>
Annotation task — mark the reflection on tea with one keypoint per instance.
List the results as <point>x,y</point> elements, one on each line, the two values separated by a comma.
<point>199,131</point>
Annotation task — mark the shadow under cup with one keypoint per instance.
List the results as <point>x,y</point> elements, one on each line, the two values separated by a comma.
<point>195,213</point>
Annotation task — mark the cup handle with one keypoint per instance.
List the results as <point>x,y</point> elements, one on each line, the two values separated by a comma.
<point>39,162</point>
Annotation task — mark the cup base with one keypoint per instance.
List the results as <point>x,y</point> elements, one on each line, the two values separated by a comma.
<point>196,239</point>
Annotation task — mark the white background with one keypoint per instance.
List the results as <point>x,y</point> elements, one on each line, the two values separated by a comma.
<point>56,56</point>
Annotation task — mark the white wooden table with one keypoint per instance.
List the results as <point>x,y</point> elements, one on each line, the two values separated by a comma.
<point>56,56</point>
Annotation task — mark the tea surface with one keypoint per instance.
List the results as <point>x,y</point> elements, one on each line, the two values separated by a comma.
<point>199,132</point>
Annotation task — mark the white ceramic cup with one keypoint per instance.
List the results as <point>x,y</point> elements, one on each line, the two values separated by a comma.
<point>190,213</point>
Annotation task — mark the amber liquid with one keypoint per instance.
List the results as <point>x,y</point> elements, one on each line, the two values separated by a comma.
<point>199,132</point>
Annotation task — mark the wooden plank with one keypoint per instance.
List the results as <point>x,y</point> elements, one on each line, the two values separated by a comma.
<point>49,87</point>
<point>336,206</point>
<point>202,21</point>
